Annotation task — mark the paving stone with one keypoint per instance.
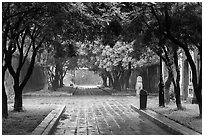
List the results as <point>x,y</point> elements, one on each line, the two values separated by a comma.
<point>103,115</point>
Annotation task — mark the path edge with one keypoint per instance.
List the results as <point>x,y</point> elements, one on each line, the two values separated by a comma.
<point>48,124</point>
<point>170,125</point>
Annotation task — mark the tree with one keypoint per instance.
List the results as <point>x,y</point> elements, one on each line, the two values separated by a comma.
<point>15,36</point>
<point>25,27</point>
<point>116,61</point>
<point>21,43</point>
<point>179,28</point>
<point>169,54</point>
<point>60,63</point>
<point>114,32</point>
<point>179,23</point>
<point>75,23</point>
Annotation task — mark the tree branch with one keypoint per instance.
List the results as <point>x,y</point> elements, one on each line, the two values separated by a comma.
<point>8,61</point>
<point>26,55</point>
<point>167,19</point>
<point>21,60</point>
<point>30,70</point>
<point>156,16</point>
<point>25,12</point>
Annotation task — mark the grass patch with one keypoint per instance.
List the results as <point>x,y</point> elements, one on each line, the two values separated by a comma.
<point>188,116</point>
<point>23,123</point>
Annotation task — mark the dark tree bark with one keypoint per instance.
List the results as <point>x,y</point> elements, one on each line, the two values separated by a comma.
<point>51,77</point>
<point>116,84</point>
<point>104,78</point>
<point>18,102</point>
<point>170,78</point>
<point>56,77</point>
<point>167,85</point>
<point>177,84</point>
<point>4,96</point>
<point>116,74</point>
<point>4,67</point>
<point>127,76</point>
<point>61,83</point>
<point>4,103</point>
<point>122,81</point>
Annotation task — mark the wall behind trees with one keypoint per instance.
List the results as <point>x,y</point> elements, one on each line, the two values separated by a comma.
<point>37,79</point>
<point>150,77</point>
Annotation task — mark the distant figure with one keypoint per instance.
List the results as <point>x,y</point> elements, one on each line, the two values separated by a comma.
<point>138,85</point>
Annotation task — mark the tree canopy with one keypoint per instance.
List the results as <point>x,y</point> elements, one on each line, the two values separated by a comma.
<point>111,37</point>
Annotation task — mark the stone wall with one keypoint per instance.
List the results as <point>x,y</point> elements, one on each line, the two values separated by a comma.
<point>150,77</point>
<point>37,79</point>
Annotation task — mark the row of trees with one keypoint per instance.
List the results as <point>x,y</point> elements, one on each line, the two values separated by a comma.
<point>167,29</point>
<point>21,35</point>
<point>171,28</point>
<point>115,63</point>
<point>29,29</point>
<point>115,37</point>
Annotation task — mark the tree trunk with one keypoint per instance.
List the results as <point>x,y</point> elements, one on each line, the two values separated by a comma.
<point>61,83</point>
<point>128,75</point>
<point>4,102</point>
<point>56,82</point>
<point>104,78</point>
<point>4,96</point>
<point>116,84</point>
<point>46,86</point>
<point>177,84</point>
<point>125,81</point>
<point>110,79</point>
<point>199,87</point>
<point>177,95</point>
<point>18,103</point>
<point>4,68</point>
<point>196,88</point>
<point>122,81</point>
<point>199,98</point>
<point>167,87</point>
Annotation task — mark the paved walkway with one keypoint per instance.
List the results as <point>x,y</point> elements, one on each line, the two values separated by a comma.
<point>103,115</point>
<point>90,91</point>
<point>92,111</point>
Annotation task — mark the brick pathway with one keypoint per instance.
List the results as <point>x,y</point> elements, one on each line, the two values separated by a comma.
<point>103,115</point>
